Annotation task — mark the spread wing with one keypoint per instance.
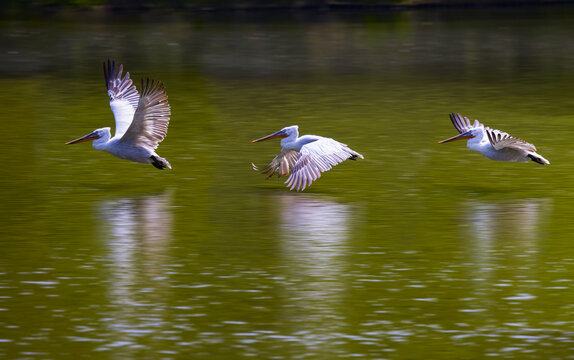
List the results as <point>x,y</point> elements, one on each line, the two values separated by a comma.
<point>281,164</point>
<point>501,140</point>
<point>316,157</point>
<point>123,94</point>
<point>462,124</point>
<point>151,117</point>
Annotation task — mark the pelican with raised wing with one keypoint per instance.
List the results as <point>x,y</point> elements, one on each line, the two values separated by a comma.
<point>141,120</point>
<point>306,157</point>
<point>492,143</point>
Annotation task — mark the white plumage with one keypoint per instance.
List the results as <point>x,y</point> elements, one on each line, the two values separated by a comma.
<point>141,121</point>
<point>306,157</point>
<point>492,143</point>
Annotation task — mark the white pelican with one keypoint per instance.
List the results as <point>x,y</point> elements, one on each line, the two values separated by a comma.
<point>492,143</point>
<point>141,121</point>
<point>306,157</point>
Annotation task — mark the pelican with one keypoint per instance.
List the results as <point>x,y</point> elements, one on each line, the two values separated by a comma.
<point>306,157</point>
<point>141,121</point>
<point>492,143</point>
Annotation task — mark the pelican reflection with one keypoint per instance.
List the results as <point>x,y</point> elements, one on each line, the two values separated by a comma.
<point>137,233</point>
<point>504,238</point>
<point>517,220</point>
<point>315,233</point>
<point>314,243</point>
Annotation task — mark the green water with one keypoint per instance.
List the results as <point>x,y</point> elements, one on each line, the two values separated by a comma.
<point>419,251</point>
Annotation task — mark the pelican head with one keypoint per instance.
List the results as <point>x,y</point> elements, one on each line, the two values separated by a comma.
<point>462,136</point>
<point>100,136</point>
<point>289,131</point>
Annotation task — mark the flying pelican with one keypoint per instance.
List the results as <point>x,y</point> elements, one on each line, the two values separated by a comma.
<point>141,121</point>
<point>306,157</point>
<point>492,143</point>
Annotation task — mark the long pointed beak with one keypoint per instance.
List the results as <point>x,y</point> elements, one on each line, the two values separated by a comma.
<point>90,136</point>
<point>278,134</point>
<point>464,135</point>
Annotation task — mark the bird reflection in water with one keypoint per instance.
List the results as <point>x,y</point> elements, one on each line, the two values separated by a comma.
<point>314,239</point>
<point>137,232</point>
<point>504,239</point>
<point>516,220</point>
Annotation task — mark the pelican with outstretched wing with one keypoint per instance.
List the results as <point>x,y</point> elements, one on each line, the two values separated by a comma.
<point>306,157</point>
<point>141,120</point>
<point>492,143</point>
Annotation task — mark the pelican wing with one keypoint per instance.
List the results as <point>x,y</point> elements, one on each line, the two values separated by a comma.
<point>462,124</point>
<point>151,117</point>
<point>123,94</point>
<point>281,164</point>
<point>316,157</point>
<point>500,140</point>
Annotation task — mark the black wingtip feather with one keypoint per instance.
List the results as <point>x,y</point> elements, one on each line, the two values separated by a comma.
<point>536,159</point>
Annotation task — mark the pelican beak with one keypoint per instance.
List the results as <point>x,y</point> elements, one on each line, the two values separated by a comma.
<point>464,135</point>
<point>278,134</point>
<point>90,136</point>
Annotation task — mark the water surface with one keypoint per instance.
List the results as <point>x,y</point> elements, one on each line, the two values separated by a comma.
<point>419,251</point>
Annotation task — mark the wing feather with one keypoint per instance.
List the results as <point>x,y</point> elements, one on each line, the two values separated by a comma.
<point>316,157</point>
<point>281,164</point>
<point>307,164</point>
<point>151,118</point>
<point>500,140</point>
<point>462,123</point>
<point>123,95</point>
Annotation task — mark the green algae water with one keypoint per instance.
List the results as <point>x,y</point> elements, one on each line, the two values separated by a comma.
<point>418,251</point>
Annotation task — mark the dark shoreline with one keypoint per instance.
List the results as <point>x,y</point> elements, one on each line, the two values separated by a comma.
<point>300,6</point>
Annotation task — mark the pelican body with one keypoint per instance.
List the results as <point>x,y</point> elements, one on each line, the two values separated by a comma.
<point>306,157</point>
<point>492,143</point>
<point>141,121</point>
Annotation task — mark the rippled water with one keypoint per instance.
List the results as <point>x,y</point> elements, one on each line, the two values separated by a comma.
<point>419,251</point>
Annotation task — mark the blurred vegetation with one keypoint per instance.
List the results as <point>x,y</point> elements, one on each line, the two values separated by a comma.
<point>247,4</point>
